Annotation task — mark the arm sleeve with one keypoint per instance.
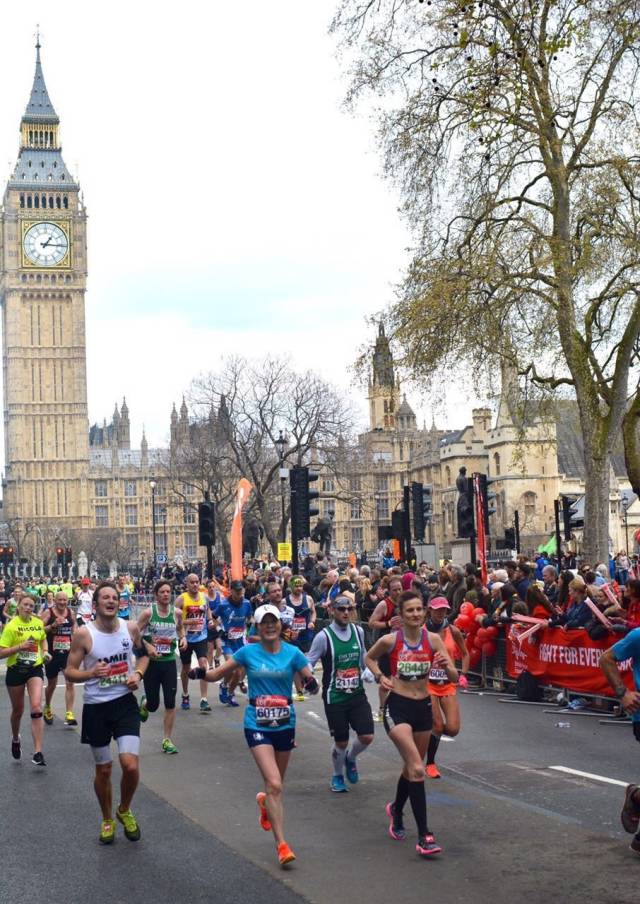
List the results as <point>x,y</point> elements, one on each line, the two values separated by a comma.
<point>363,647</point>
<point>240,656</point>
<point>626,648</point>
<point>318,648</point>
<point>300,661</point>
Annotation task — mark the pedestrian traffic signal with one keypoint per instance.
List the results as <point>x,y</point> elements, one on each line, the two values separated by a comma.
<point>567,514</point>
<point>488,499</point>
<point>9,554</point>
<point>60,555</point>
<point>427,504</point>
<point>206,523</point>
<point>68,557</point>
<point>417,510</point>
<point>301,499</point>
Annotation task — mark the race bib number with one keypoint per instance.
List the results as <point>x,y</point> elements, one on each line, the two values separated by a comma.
<point>414,668</point>
<point>30,655</point>
<point>162,644</point>
<point>194,620</point>
<point>298,624</point>
<point>438,676</point>
<point>347,680</point>
<point>62,643</point>
<point>272,711</point>
<point>118,673</point>
<point>235,633</point>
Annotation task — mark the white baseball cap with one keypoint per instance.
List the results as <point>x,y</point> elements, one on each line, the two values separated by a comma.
<point>267,609</point>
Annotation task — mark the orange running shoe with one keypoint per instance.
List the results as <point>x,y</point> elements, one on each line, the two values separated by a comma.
<point>264,819</point>
<point>285,854</point>
<point>432,770</point>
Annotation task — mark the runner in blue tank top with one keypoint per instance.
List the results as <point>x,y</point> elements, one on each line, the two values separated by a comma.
<point>234,615</point>
<point>269,720</point>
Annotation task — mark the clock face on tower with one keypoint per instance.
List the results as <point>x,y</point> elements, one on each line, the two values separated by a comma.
<point>45,244</point>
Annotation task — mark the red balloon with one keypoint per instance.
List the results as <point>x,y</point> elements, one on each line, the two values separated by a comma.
<point>478,642</point>
<point>489,649</point>
<point>492,632</point>
<point>482,634</point>
<point>474,658</point>
<point>479,611</point>
<point>463,622</point>
<point>466,609</point>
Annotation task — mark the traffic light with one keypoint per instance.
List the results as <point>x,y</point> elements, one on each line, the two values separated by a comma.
<point>488,500</point>
<point>417,507</point>
<point>427,504</point>
<point>9,555</point>
<point>60,556</point>
<point>206,523</point>
<point>301,499</point>
<point>466,519</point>
<point>509,538</point>
<point>68,557</point>
<point>567,514</point>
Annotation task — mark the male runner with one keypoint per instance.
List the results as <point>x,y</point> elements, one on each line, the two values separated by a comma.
<point>627,648</point>
<point>85,602</point>
<point>102,655</point>
<point>341,649</point>
<point>235,615</point>
<point>197,619</point>
<point>161,626</point>
<point>60,625</point>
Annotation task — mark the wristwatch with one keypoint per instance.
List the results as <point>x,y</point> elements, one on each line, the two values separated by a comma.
<point>377,678</point>
<point>620,692</point>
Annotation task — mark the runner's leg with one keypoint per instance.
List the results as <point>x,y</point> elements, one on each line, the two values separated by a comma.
<point>273,765</point>
<point>412,748</point>
<point>49,689</point>
<point>34,689</point>
<point>102,785</point>
<point>69,696</point>
<point>130,765</point>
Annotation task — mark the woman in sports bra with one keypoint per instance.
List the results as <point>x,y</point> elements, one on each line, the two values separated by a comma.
<point>412,651</point>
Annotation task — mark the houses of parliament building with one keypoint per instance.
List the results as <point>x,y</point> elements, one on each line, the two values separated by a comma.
<point>63,477</point>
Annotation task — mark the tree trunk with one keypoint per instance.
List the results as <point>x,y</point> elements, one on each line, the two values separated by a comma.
<point>596,512</point>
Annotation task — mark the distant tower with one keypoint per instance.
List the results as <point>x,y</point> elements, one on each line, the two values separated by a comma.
<point>124,429</point>
<point>43,271</point>
<point>183,424</point>
<point>383,387</point>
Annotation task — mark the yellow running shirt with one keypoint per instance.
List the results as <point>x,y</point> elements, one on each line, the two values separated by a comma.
<point>18,630</point>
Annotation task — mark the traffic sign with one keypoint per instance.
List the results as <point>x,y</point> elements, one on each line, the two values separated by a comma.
<point>161,558</point>
<point>284,552</point>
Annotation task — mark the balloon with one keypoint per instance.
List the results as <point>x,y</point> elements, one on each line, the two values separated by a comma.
<point>492,632</point>
<point>489,649</point>
<point>477,642</point>
<point>474,658</point>
<point>478,611</point>
<point>466,609</point>
<point>482,634</point>
<point>464,623</point>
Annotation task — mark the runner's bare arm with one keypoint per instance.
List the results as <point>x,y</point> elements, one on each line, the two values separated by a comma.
<point>462,646</point>
<point>80,646</point>
<point>376,619</point>
<point>442,657</point>
<point>630,700</point>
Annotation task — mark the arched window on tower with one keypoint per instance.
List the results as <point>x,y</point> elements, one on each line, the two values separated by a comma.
<point>36,201</point>
<point>65,201</point>
<point>28,200</point>
<point>447,476</point>
<point>21,200</point>
<point>58,202</point>
<point>529,504</point>
<point>496,464</point>
<point>51,201</point>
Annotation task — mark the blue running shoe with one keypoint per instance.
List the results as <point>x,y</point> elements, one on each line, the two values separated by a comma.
<point>351,770</point>
<point>231,700</point>
<point>223,694</point>
<point>186,703</point>
<point>338,785</point>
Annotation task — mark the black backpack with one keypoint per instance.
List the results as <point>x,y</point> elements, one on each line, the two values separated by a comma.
<point>527,688</point>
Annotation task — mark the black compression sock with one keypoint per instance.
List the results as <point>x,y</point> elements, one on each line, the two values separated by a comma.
<point>434,740</point>
<point>402,793</point>
<point>418,801</point>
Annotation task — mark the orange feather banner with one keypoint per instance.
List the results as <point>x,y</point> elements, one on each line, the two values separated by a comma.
<point>242,495</point>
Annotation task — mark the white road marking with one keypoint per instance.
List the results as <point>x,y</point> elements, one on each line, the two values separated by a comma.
<point>591,775</point>
<point>445,738</point>
<point>312,714</point>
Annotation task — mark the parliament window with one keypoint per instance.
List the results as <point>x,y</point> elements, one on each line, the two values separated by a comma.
<point>101,488</point>
<point>189,515</point>
<point>130,488</point>
<point>131,515</point>
<point>102,516</point>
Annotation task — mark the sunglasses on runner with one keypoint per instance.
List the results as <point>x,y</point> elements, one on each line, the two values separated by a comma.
<point>343,608</point>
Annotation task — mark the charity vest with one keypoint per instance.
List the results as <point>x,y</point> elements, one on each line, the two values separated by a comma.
<point>194,615</point>
<point>116,650</point>
<point>342,677</point>
<point>161,632</point>
<point>438,675</point>
<point>411,662</point>
<point>60,635</point>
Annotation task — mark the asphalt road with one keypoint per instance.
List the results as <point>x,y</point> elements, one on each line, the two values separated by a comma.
<point>512,827</point>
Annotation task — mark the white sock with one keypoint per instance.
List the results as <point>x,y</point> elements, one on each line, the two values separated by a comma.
<point>356,749</point>
<point>338,756</point>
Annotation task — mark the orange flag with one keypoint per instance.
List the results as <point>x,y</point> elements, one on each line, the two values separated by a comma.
<point>242,495</point>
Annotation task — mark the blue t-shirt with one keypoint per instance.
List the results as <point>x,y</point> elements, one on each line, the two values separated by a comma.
<point>269,674</point>
<point>629,648</point>
<point>234,620</point>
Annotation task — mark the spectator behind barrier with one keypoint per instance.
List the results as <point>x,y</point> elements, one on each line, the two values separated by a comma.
<point>578,612</point>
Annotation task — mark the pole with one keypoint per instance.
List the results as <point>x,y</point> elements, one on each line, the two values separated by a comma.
<point>516,529</point>
<point>406,553</point>
<point>294,532</point>
<point>207,498</point>
<point>471,498</point>
<point>164,530</point>
<point>556,512</point>
<point>626,530</point>
<point>153,521</point>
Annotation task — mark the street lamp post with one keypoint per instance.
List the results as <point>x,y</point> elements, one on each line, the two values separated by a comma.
<point>163,515</point>
<point>152,484</point>
<point>377,497</point>
<point>625,507</point>
<point>281,445</point>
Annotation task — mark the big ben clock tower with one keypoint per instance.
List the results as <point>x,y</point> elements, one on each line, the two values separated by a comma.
<point>43,271</point>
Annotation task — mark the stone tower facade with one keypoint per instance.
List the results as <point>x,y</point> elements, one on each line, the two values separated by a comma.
<point>383,387</point>
<point>43,271</point>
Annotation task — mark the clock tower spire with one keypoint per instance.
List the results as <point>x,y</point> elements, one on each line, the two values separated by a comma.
<point>42,287</point>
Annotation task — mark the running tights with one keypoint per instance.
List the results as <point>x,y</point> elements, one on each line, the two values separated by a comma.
<point>434,740</point>
<point>415,792</point>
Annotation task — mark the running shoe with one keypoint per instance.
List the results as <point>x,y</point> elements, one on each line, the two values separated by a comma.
<point>630,815</point>
<point>69,718</point>
<point>107,831</point>
<point>285,854</point>
<point>338,785</point>
<point>38,759</point>
<point>144,712</point>
<point>379,716</point>
<point>264,819</point>
<point>427,846</point>
<point>351,771</point>
<point>635,845</point>
<point>205,706</point>
<point>432,770</point>
<point>131,827</point>
<point>186,703</point>
<point>16,749</point>
<point>396,827</point>
<point>48,715</point>
<point>298,698</point>
<point>168,746</point>
<point>231,700</point>
<point>243,687</point>
<point>223,694</point>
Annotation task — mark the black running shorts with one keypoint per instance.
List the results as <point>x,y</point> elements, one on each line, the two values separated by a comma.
<point>102,722</point>
<point>56,664</point>
<point>355,714</point>
<point>161,673</point>
<point>16,677</point>
<point>400,710</point>
<point>199,647</point>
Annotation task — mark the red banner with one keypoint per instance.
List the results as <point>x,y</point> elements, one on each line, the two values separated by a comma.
<point>562,658</point>
<point>481,539</point>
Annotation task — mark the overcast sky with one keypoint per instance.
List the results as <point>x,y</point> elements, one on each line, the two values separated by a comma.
<point>234,207</point>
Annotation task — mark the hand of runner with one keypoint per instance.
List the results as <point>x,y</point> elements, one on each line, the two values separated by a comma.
<point>133,681</point>
<point>182,643</point>
<point>395,623</point>
<point>200,672</point>
<point>47,656</point>
<point>100,670</point>
<point>631,702</point>
<point>151,650</point>
<point>25,645</point>
<point>386,683</point>
<point>462,681</point>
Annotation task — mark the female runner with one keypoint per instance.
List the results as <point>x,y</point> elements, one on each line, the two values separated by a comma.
<point>407,711</point>
<point>444,701</point>
<point>269,719</point>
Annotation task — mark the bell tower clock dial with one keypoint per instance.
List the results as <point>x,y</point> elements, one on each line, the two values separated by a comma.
<point>43,275</point>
